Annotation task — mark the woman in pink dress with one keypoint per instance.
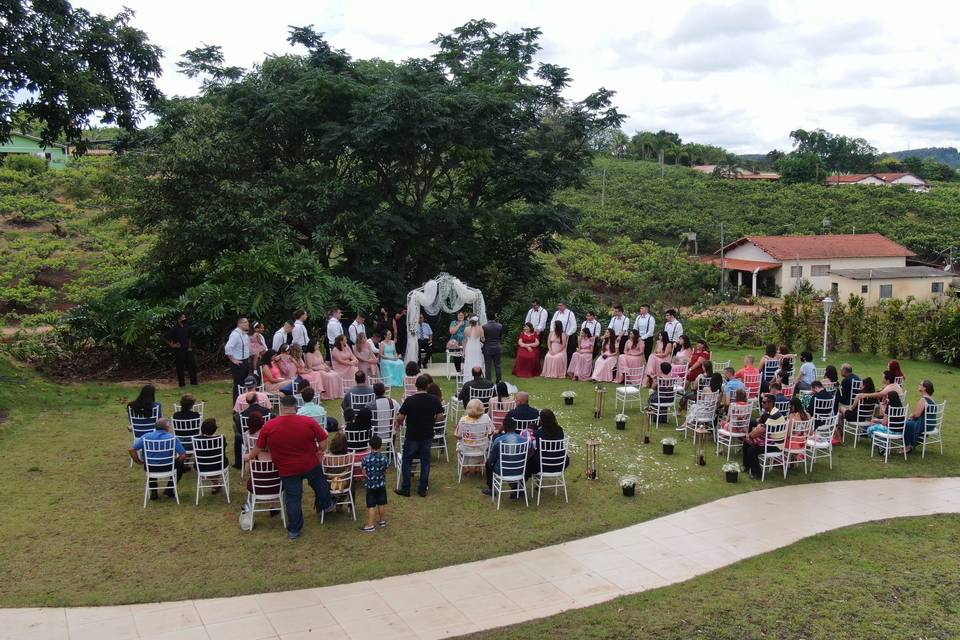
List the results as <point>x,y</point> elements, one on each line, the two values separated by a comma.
<point>607,362</point>
<point>257,343</point>
<point>662,352</point>
<point>632,357</point>
<point>581,364</point>
<point>342,359</point>
<point>366,358</point>
<point>313,378</point>
<point>272,376</point>
<point>555,362</point>
<point>332,385</point>
<point>684,351</point>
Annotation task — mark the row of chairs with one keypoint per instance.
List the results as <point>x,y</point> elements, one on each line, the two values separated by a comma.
<point>159,458</point>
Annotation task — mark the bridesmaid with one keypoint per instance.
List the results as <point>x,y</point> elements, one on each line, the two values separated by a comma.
<point>632,357</point>
<point>271,375</point>
<point>315,362</point>
<point>581,364</point>
<point>684,351</point>
<point>662,352</point>
<point>555,362</point>
<point>391,364</point>
<point>527,362</point>
<point>363,351</point>
<point>343,361</point>
<point>607,362</point>
<point>313,378</point>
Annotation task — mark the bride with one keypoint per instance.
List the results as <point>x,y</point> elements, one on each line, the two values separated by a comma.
<point>473,346</point>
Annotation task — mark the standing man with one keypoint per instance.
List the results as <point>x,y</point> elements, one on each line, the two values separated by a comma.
<point>537,316</point>
<point>178,337</point>
<point>334,330</point>
<point>673,327</point>
<point>300,335</point>
<point>646,325</point>
<point>356,327</point>
<point>282,336</point>
<point>594,327</point>
<point>296,444</point>
<point>424,341</point>
<point>237,351</point>
<point>420,412</point>
<point>492,349</point>
<point>620,325</point>
<point>569,322</point>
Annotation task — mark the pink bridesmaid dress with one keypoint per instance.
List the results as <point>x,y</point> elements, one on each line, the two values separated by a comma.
<point>581,364</point>
<point>555,362</point>
<point>606,363</point>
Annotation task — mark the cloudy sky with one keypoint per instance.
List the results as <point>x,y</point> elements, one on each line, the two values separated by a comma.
<point>736,74</point>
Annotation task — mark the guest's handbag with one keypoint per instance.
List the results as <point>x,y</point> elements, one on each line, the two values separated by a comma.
<point>246,520</point>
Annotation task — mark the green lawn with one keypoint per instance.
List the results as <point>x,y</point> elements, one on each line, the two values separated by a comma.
<point>888,579</point>
<point>76,533</point>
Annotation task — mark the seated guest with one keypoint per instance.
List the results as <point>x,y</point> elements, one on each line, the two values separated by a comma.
<point>342,360</point>
<point>338,444</point>
<point>424,341</point>
<point>311,407</point>
<point>604,367</point>
<point>474,418</point>
<point>161,431</point>
<point>739,400</point>
<point>830,377</point>
<point>683,350</point>
<point>527,363</point>
<point>142,406</point>
<point>316,369</point>
<point>731,383</point>
<point>581,363</point>
<point>889,384</point>
<point>665,374</point>
<point>207,431</point>
<point>549,429</point>
<point>786,364</point>
<point>433,389</point>
<point>187,402</point>
<point>412,370</point>
<point>381,401</point>
<point>272,376</point>
<point>360,388</point>
<point>770,355</point>
<point>891,401</point>
<point>748,369</point>
<point>846,385</point>
<point>753,443</point>
<point>500,404</point>
<point>700,356</point>
<point>243,399</point>
<point>776,390</point>
<point>808,372</point>
<point>555,361</point>
<point>632,356</point>
<point>367,360</point>
<point>478,382</point>
<point>251,405</point>
<point>662,352</point>
<point>867,398</point>
<point>894,367</point>
<point>916,424</point>
<point>509,436</point>
<point>523,410</point>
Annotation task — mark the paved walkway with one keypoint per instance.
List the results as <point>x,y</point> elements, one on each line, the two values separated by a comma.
<point>501,591</point>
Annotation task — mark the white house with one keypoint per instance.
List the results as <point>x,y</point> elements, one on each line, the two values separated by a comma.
<point>888,179</point>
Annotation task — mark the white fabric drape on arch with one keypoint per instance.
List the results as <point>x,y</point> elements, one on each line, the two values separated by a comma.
<point>443,293</point>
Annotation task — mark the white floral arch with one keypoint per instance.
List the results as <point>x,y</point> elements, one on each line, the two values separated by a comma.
<point>443,293</point>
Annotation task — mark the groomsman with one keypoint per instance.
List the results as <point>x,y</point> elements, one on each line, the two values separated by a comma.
<point>334,331</point>
<point>673,327</point>
<point>569,322</point>
<point>282,336</point>
<point>537,316</point>
<point>594,327</point>
<point>620,325</point>
<point>357,327</point>
<point>300,337</point>
<point>646,326</point>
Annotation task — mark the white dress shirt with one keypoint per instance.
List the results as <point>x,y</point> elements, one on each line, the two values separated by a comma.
<point>334,330</point>
<point>593,325</point>
<point>619,324</point>
<point>567,319</point>
<point>537,318</point>
<point>674,330</point>
<point>238,345</point>
<point>646,325</point>
<point>354,330</point>
<point>300,335</point>
<point>279,339</point>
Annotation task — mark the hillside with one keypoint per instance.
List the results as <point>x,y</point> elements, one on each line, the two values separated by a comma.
<point>946,155</point>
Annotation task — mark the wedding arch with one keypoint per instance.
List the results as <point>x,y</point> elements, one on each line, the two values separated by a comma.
<point>443,293</point>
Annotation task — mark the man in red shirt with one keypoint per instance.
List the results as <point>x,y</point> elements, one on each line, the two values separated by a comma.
<point>296,444</point>
<point>750,376</point>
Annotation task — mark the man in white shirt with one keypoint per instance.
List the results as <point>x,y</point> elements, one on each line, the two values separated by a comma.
<point>334,329</point>
<point>673,327</point>
<point>646,325</point>
<point>593,326</point>
<point>569,322</point>
<point>280,337</point>
<point>356,327</point>
<point>300,336</point>
<point>620,325</point>
<point>424,341</point>
<point>237,351</point>
<point>537,316</point>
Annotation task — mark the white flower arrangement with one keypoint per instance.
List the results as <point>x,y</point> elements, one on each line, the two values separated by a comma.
<point>621,417</point>
<point>731,467</point>
<point>568,394</point>
<point>629,481</point>
<point>669,441</point>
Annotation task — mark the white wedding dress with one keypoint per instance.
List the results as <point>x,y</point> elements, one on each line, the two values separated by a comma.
<point>472,352</point>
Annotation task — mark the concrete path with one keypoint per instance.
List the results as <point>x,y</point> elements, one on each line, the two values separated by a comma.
<point>510,589</point>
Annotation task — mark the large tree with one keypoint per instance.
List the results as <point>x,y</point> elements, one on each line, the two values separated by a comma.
<point>61,66</point>
<point>839,153</point>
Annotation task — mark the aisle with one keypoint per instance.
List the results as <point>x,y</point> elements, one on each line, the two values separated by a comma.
<point>515,588</point>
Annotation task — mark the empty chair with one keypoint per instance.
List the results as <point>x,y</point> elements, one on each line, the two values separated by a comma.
<point>892,437</point>
<point>795,446</point>
<point>720,366</point>
<point>472,448</point>
<point>159,463</point>
<point>339,473</point>
<point>409,385</point>
<point>211,467</point>
<point>629,392</point>
<point>933,426</point>
<point>509,476</point>
<point>858,426</point>
<point>266,489</point>
<point>553,461</point>
<point>702,413</point>
<point>820,442</point>
<point>774,440</point>
<point>732,432</point>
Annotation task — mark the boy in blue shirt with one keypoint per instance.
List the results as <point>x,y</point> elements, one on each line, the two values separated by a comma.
<point>375,468</point>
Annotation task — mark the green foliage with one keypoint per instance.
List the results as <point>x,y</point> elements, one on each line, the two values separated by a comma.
<point>802,167</point>
<point>839,153</point>
<point>26,163</point>
<point>947,155</point>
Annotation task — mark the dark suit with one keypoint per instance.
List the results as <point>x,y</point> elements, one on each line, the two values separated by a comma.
<point>492,349</point>
<point>475,383</point>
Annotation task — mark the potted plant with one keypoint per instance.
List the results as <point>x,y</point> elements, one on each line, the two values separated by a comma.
<point>668,445</point>
<point>629,485</point>
<point>732,470</point>
<point>621,419</point>
<point>568,396</point>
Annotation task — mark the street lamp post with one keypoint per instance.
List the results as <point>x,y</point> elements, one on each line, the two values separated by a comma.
<point>827,305</point>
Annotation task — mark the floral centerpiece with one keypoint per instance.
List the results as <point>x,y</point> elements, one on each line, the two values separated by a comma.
<point>629,485</point>
<point>568,396</point>
<point>621,420</point>
<point>668,445</point>
<point>732,471</point>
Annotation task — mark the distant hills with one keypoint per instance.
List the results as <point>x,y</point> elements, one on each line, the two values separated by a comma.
<point>946,155</point>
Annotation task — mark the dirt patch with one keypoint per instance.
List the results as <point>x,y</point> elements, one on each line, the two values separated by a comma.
<point>53,278</point>
<point>14,330</point>
<point>4,415</point>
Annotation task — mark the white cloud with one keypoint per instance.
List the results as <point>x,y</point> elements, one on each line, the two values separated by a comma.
<point>739,74</point>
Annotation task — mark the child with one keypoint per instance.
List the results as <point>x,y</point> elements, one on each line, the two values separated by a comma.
<point>375,466</point>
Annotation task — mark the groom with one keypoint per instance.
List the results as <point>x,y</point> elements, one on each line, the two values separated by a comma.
<point>492,332</point>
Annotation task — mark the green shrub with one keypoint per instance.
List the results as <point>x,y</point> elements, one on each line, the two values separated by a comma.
<point>25,162</point>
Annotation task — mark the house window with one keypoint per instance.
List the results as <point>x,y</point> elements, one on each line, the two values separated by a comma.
<point>936,287</point>
<point>820,270</point>
<point>886,291</point>
<point>834,290</point>
<point>864,288</point>
<point>796,272</point>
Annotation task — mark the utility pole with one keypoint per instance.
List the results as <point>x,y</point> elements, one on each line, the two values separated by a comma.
<point>722,278</point>
<point>603,189</point>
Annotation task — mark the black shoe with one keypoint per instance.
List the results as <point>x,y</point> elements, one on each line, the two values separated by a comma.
<point>238,466</point>
<point>422,494</point>
<point>486,491</point>
<point>168,493</point>
<point>402,492</point>
<point>154,495</point>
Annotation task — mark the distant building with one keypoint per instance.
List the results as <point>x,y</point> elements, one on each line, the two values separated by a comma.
<point>866,264</point>
<point>736,172</point>
<point>55,154</point>
<point>887,179</point>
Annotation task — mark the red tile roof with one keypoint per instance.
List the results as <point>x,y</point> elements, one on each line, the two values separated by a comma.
<point>859,245</point>
<point>857,177</point>
<point>742,265</point>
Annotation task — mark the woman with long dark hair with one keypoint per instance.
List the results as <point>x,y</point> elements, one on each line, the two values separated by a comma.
<point>609,357</point>
<point>662,352</point>
<point>142,406</point>
<point>555,362</point>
